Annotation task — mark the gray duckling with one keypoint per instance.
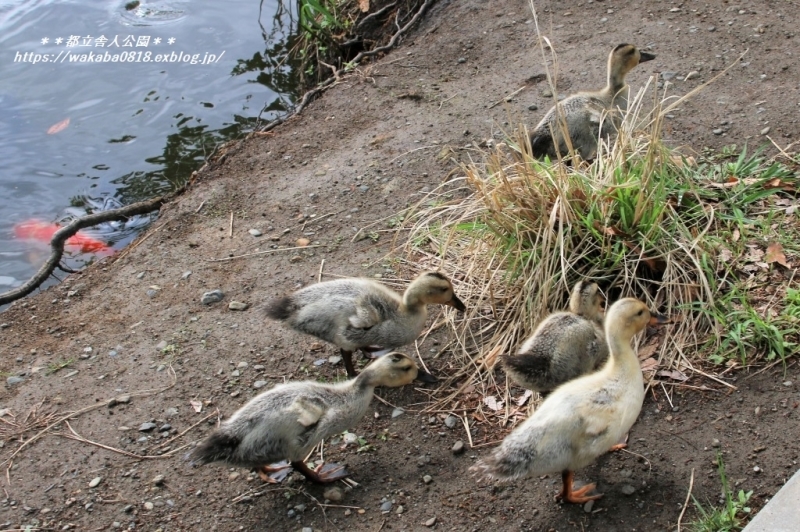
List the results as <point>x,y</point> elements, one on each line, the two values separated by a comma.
<point>585,112</point>
<point>287,421</point>
<point>564,346</point>
<point>358,313</point>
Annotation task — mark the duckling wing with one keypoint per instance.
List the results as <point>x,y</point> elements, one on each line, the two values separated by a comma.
<point>309,411</point>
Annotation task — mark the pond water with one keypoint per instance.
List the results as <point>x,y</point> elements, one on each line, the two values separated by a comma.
<point>103,104</point>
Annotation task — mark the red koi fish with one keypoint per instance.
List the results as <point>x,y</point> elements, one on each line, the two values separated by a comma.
<point>44,231</point>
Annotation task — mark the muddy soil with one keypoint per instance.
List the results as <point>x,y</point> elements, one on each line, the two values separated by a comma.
<point>368,148</point>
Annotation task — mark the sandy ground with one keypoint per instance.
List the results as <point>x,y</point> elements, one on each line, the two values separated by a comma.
<point>366,149</point>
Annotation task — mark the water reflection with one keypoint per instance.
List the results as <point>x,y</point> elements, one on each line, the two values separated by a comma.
<point>82,136</point>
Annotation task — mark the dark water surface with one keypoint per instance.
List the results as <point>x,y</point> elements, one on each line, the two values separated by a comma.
<point>125,106</point>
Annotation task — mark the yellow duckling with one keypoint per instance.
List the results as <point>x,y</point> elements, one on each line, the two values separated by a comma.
<point>564,346</point>
<point>287,421</point>
<point>583,418</point>
<point>589,115</point>
<point>358,313</point>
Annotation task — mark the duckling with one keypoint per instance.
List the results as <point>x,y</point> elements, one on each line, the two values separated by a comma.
<point>584,112</point>
<point>564,346</point>
<point>358,313</point>
<point>287,421</point>
<point>582,418</point>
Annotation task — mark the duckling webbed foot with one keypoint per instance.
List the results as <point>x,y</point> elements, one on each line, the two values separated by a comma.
<point>622,444</point>
<point>322,474</point>
<point>577,496</point>
<point>275,473</point>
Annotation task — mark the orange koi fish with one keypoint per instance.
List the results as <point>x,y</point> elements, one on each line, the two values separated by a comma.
<point>44,231</point>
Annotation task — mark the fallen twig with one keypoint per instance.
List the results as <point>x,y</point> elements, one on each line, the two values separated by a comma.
<point>260,253</point>
<point>62,235</point>
<point>686,502</point>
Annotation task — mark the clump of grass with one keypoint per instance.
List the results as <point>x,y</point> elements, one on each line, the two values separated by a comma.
<point>57,366</point>
<point>725,518</point>
<point>642,221</point>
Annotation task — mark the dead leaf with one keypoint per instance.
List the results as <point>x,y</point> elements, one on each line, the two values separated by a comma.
<point>673,374</point>
<point>492,402</point>
<point>363,5</point>
<point>197,405</point>
<point>647,351</point>
<point>775,254</point>
<point>649,365</point>
<point>59,127</point>
<point>736,235</point>
<point>725,255</point>
<point>754,253</point>
<point>524,398</point>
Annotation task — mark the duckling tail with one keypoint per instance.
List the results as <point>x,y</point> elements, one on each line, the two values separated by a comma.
<point>505,464</point>
<point>280,309</point>
<point>217,447</point>
<point>541,144</point>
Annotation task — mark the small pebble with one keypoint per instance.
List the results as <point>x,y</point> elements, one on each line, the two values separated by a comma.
<point>532,107</point>
<point>242,364</point>
<point>11,381</point>
<point>462,59</point>
<point>233,476</point>
<point>158,480</point>
<point>715,443</point>
<point>450,421</point>
<point>238,305</point>
<point>148,505</point>
<point>334,359</point>
<point>186,274</point>
<point>146,427</point>
<point>254,232</point>
<point>691,75</point>
<point>787,383</point>
<point>588,507</point>
<point>627,489</point>
<point>399,510</point>
<point>259,384</point>
<point>547,93</point>
<point>95,481</point>
<point>302,242</point>
<point>717,131</point>
<point>458,447</point>
<point>165,427</point>
<point>307,529</point>
<point>215,296</point>
<point>757,469</point>
<point>427,479</point>
<point>430,522</point>
<point>291,513</point>
<point>386,507</point>
<point>334,494</point>
<point>397,412</point>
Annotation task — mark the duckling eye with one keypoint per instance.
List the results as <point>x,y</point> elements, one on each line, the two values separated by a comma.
<point>641,312</point>
<point>406,368</point>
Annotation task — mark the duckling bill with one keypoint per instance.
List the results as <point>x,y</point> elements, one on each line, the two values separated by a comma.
<point>587,116</point>
<point>582,418</point>
<point>359,313</point>
<point>287,421</point>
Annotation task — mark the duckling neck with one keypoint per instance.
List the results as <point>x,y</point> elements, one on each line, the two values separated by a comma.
<point>615,82</point>
<point>622,356</point>
<point>412,301</point>
<point>366,382</point>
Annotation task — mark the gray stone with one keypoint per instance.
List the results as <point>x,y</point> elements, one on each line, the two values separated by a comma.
<point>462,59</point>
<point>423,459</point>
<point>787,383</point>
<point>238,305</point>
<point>162,345</point>
<point>171,412</point>
<point>254,232</point>
<point>123,399</point>
<point>399,510</point>
<point>715,443</point>
<point>214,296</point>
<point>782,513</point>
<point>531,107</point>
<point>717,131</point>
<point>147,427</point>
<point>242,364</point>
<point>259,384</point>
<point>588,507</point>
<point>386,507</point>
<point>158,480</point>
<point>666,76</point>
<point>307,529</point>
<point>427,479</point>
<point>450,421</point>
<point>547,93</point>
<point>186,274</point>
<point>148,505</point>
<point>765,130</point>
<point>458,447</point>
<point>95,482</point>
<point>165,427</point>
<point>397,412</point>
<point>430,522</point>
<point>627,489</point>
<point>334,359</point>
<point>11,381</point>
<point>291,513</point>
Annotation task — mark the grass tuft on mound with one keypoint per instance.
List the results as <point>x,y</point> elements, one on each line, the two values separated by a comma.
<point>642,221</point>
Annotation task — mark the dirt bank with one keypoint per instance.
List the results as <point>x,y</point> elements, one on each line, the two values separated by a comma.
<point>369,147</point>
